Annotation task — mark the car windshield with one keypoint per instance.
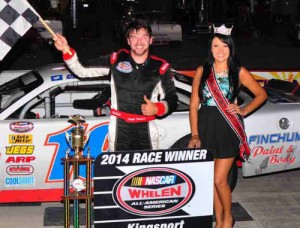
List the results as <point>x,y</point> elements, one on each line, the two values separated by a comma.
<point>18,87</point>
<point>279,96</point>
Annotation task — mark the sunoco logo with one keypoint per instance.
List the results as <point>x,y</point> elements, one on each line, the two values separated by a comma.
<point>153,191</point>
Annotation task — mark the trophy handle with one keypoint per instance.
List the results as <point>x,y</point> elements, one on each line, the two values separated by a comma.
<point>86,137</point>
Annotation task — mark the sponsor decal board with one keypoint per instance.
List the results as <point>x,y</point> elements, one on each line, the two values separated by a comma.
<point>154,189</point>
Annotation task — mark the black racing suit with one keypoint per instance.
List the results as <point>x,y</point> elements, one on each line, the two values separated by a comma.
<point>128,128</point>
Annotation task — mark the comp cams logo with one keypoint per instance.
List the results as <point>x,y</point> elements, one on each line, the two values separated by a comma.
<point>19,170</point>
<point>153,191</point>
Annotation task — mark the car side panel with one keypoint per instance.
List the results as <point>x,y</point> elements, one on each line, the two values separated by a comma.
<point>274,145</point>
<point>173,128</point>
<point>31,153</point>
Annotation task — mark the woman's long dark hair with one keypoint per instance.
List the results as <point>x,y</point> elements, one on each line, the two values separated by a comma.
<point>233,65</point>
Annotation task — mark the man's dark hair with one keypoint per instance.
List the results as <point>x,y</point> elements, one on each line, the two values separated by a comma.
<point>137,24</point>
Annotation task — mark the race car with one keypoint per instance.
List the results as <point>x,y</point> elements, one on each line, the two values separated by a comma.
<point>35,110</point>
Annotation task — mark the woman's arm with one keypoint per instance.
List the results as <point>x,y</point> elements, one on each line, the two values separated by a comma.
<point>194,106</point>
<point>259,93</point>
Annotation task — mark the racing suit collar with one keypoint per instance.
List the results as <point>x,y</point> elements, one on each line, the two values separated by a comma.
<point>139,65</point>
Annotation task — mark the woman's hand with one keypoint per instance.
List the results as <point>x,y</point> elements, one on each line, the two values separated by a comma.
<point>234,108</point>
<point>194,142</point>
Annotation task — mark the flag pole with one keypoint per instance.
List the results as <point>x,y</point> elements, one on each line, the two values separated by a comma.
<point>52,32</point>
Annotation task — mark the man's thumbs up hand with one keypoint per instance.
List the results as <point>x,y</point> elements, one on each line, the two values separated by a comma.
<point>147,100</point>
<point>148,109</point>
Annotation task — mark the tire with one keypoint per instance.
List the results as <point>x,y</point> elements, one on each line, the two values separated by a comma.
<point>182,143</point>
<point>233,173</point>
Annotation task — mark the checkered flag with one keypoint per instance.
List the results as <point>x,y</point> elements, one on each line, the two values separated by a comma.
<point>16,18</point>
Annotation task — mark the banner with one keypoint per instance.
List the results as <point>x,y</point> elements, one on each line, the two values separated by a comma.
<point>154,189</point>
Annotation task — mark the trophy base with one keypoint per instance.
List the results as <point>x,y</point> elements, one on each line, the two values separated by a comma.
<point>79,196</point>
<point>78,190</point>
<point>77,159</point>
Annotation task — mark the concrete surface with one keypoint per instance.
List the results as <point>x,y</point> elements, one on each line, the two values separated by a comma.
<point>273,201</point>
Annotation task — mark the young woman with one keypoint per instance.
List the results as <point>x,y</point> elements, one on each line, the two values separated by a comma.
<point>217,125</point>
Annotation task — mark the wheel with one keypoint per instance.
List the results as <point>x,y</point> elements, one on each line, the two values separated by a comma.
<point>233,173</point>
<point>182,143</point>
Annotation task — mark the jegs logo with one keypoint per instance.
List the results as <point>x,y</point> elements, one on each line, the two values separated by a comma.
<point>153,191</point>
<point>19,150</point>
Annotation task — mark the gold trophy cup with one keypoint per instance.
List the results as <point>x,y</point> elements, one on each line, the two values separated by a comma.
<point>76,188</point>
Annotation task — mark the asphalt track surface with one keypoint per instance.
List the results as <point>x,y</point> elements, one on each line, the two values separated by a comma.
<point>270,201</point>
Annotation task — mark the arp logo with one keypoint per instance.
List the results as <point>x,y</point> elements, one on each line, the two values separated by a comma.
<point>160,191</point>
<point>20,159</point>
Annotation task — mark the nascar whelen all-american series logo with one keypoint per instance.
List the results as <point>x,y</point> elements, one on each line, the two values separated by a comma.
<point>153,191</point>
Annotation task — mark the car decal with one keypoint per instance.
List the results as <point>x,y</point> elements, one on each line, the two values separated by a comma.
<point>57,77</point>
<point>70,76</point>
<point>97,144</point>
<point>21,126</point>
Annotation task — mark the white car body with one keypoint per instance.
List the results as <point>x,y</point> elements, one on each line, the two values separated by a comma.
<point>34,125</point>
<point>273,134</point>
<point>32,149</point>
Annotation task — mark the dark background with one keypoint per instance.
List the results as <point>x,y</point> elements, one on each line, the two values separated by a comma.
<point>262,31</point>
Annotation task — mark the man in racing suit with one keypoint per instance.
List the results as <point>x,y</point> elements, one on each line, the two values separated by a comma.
<point>141,88</point>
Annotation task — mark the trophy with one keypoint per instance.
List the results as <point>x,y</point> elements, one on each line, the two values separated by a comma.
<point>76,189</point>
